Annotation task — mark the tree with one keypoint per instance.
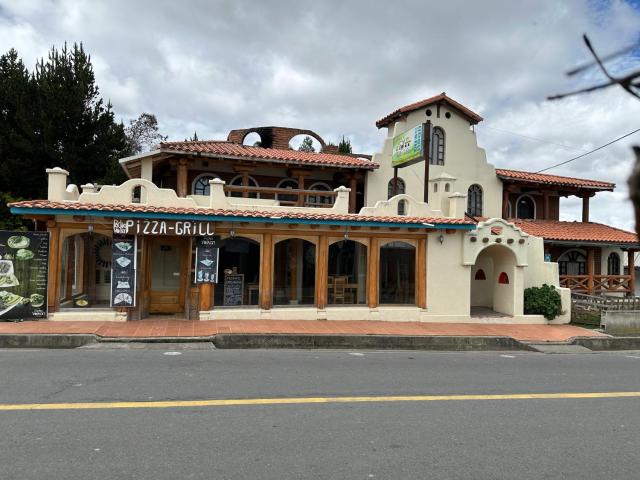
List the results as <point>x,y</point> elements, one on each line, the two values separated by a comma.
<point>306,145</point>
<point>143,133</point>
<point>345,145</point>
<point>192,139</point>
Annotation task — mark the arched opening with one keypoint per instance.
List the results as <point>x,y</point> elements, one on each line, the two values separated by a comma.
<point>305,143</point>
<point>85,275</point>
<point>252,139</point>
<point>137,194</point>
<point>200,184</point>
<point>526,207</point>
<point>237,182</point>
<point>474,200</point>
<point>319,200</point>
<point>395,187</point>
<point>447,187</point>
<point>572,262</point>
<point>294,272</point>
<point>613,264</point>
<point>289,184</point>
<point>347,280</point>
<point>493,289</point>
<point>437,146</point>
<point>238,266</point>
<point>402,207</point>
<point>398,274</point>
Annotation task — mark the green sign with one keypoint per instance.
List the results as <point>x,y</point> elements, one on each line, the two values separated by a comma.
<point>407,147</point>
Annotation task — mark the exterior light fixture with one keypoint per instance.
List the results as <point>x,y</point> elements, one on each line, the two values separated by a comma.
<point>346,235</point>
<point>232,233</point>
<point>441,239</point>
<point>90,228</point>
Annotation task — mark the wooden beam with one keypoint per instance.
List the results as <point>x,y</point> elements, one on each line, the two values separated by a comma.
<point>182,178</point>
<point>54,262</point>
<point>585,207</point>
<point>373,273</point>
<point>353,185</point>
<point>590,268</point>
<point>266,272</point>
<point>322,265</point>
<point>421,274</point>
<point>505,203</point>
<point>632,272</point>
<point>205,297</point>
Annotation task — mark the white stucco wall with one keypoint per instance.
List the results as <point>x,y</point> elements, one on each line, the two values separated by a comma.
<point>464,161</point>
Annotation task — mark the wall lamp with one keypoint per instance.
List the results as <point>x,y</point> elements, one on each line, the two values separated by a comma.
<point>441,239</point>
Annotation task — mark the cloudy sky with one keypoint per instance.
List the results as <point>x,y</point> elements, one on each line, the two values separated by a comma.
<point>336,66</point>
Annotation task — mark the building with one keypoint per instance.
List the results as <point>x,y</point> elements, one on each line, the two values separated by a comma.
<point>305,235</point>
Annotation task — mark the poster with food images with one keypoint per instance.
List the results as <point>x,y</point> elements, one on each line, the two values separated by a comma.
<point>123,270</point>
<point>207,251</point>
<point>24,264</point>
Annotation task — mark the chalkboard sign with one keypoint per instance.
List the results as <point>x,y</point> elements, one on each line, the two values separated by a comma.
<point>207,252</point>
<point>233,288</point>
<point>24,265</point>
<point>123,270</point>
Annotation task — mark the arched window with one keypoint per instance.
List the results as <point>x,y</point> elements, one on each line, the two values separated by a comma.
<point>319,200</point>
<point>572,262</point>
<point>613,264</point>
<point>503,278</point>
<point>526,207</point>
<point>399,189</point>
<point>437,146</point>
<point>480,275</point>
<point>402,207</point>
<point>201,185</point>
<point>237,182</point>
<point>474,200</point>
<point>290,184</point>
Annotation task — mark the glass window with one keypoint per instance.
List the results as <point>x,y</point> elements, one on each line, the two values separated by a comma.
<point>319,200</point>
<point>437,146</point>
<point>526,208</point>
<point>237,182</point>
<point>613,264</point>
<point>397,273</point>
<point>238,256</point>
<point>572,263</point>
<point>294,272</point>
<point>289,184</point>
<point>201,184</point>
<point>400,188</point>
<point>347,281</point>
<point>474,200</point>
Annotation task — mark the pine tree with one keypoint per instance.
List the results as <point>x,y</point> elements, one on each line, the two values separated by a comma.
<point>306,145</point>
<point>345,145</point>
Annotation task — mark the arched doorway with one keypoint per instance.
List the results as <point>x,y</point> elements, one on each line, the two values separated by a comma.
<point>494,282</point>
<point>572,262</point>
<point>294,272</point>
<point>238,258</point>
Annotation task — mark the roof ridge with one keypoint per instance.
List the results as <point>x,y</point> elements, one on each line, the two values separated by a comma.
<point>549,174</point>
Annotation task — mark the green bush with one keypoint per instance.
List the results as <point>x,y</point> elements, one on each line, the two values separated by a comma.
<point>544,300</point>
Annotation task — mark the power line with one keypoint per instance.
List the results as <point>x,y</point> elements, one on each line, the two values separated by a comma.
<point>590,152</point>
<point>568,147</point>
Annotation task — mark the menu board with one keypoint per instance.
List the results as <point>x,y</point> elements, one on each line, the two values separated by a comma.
<point>123,270</point>
<point>233,288</point>
<point>207,252</point>
<point>24,264</point>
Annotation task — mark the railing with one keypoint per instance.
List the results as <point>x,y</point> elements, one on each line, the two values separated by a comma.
<point>587,309</point>
<point>601,283</point>
<point>287,196</point>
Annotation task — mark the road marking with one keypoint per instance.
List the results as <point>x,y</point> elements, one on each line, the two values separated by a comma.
<point>508,356</point>
<point>172,353</point>
<point>308,400</point>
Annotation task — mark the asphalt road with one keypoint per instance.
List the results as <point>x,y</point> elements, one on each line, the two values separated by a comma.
<point>473,439</point>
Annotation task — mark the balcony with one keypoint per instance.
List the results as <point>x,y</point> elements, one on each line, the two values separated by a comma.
<point>598,284</point>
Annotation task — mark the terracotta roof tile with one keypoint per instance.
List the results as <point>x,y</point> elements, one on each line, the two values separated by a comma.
<point>530,177</point>
<point>235,150</point>
<point>471,115</point>
<point>267,216</point>
<point>576,231</point>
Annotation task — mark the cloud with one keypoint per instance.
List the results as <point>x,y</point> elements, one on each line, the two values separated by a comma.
<point>335,67</point>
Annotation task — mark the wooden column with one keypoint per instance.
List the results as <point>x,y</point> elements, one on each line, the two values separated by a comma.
<point>300,187</point>
<point>245,183</point>
<point>182,178</point>
<point>421,273</point>
<point>206,291</point>
<point>590,269</point>
<point>631,263</point>
<point>54,264</point>
<point>266,272</point>
<point>585,208</point>
<point>545,205</point>
<point>505,203</point>
<point>373,272</point>
<point>353,185</point>
<point>322,266</point>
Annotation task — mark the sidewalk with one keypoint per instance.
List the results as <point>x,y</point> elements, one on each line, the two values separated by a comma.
<point>157,328</point>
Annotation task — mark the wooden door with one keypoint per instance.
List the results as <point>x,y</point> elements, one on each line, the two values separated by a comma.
<point>168,270</point>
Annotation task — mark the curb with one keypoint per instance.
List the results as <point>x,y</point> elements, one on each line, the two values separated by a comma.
<point>607,343</point>
<point>27,340</point>
<point>376,342</point>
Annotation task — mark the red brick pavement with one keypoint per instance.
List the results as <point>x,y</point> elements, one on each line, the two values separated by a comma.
<point>183,328</point>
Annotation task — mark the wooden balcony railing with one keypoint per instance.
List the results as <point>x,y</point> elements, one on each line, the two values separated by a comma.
<point>288,196</point>
<point>599,283</point>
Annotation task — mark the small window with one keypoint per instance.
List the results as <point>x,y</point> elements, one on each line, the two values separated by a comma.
<point>613,264</point>
<point>480,275</point>
<point>136,194</point>
<point>474,200</point>
<point>437,146</point>
<point>400,188</point>
<point>526,208</point>
<point>402,207</point>
<point>447,187</point>
<point>503,278</point>
<point>201,184</point>
<point>435,188</point>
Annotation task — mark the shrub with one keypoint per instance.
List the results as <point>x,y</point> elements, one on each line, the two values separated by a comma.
<point>544,300</point>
